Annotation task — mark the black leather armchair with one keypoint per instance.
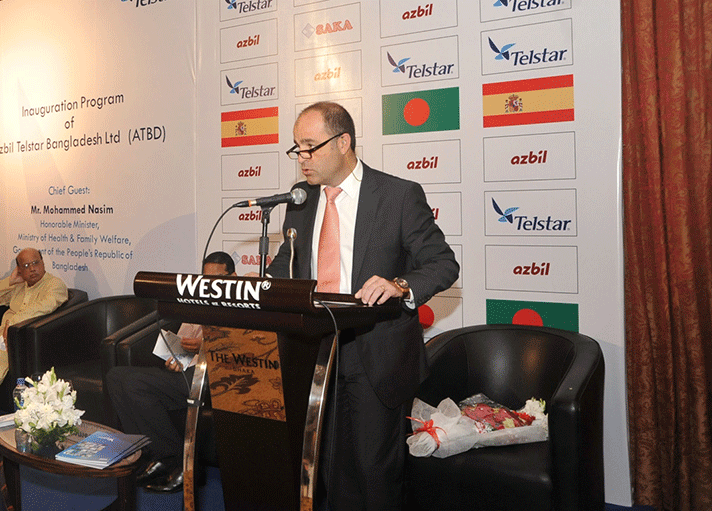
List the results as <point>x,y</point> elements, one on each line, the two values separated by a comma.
<point>71,340</point>
<point>511,364</point>
<point>17,352</point>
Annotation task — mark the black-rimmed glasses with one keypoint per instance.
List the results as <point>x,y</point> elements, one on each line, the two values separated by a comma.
<point>294,153</point>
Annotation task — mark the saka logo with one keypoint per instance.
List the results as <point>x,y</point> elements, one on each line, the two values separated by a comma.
<point>326,28</point>
<point>534,224</point>
<point>502,54</point>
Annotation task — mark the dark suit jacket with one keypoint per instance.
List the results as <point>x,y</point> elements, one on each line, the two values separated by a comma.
<point>395,236</point>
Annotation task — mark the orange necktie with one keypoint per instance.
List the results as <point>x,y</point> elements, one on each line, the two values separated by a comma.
<point>328,264</point>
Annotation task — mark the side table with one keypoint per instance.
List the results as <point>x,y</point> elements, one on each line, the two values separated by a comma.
<point>124,471</point>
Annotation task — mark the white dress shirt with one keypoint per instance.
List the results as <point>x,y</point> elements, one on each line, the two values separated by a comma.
<point>347,207</point>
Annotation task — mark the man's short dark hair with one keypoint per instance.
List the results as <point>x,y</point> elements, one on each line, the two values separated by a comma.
<point>336,118</point>
<point>221,258</point>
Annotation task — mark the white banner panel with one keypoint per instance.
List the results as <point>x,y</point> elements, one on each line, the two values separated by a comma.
<point>420,61</point>
<point>546,269</point>
<point>343,27</point>
<point>531,213</point>
<point>400,17</point>
<point>507,113</point>
<point>527,47</point>
<point>426,162</point>
<point>540,157</point>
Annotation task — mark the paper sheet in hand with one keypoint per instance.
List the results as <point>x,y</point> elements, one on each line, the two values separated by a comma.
<point>169,345</point>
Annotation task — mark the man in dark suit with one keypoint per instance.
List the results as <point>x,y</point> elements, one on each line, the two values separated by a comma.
<point>389,246</point>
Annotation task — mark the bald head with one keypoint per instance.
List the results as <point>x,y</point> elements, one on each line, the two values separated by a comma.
<point>30,265</point>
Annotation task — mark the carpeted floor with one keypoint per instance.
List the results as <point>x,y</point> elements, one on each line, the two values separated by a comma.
<point>48,492</point>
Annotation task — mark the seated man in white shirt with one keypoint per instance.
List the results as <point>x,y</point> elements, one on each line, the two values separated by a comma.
<point>144,396</point>
<point>29,292</point>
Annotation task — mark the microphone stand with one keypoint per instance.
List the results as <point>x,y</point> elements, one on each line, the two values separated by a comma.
<point>264,240</point>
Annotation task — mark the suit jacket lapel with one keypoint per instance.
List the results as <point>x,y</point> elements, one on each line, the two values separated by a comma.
<point>305,233</point>
<point>365,222</point>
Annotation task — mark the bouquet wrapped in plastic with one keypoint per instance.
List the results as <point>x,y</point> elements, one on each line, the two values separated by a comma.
<point>475,422</point>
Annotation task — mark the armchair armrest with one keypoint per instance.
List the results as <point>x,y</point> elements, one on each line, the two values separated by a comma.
<point>110,343</point>
<point>575,429</point>
<point>137,349</point>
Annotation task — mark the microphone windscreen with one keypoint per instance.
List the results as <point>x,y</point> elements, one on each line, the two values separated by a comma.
<point>299,195</point>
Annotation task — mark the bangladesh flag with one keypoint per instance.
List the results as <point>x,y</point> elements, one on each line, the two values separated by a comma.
<point>554,315</point>
<point>419,111</point>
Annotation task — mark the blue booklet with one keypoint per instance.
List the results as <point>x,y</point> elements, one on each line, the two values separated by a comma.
<point>102,448</point>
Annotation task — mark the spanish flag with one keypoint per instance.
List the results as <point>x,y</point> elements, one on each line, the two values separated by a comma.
<point>250,127</point>
<point>535,101</point>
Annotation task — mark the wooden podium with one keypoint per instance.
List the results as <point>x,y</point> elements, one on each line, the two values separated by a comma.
<point>268,449</point>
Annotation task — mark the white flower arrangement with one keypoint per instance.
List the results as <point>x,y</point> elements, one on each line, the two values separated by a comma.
<point>47,412</point>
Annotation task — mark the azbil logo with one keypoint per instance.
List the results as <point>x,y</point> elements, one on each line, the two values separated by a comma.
<point>426,10</point>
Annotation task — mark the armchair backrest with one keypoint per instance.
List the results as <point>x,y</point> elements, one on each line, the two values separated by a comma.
<point>15,343</point>
<point>75,335</point>
<point>508,363</point>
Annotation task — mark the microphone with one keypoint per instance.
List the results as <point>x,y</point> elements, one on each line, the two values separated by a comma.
<point>296,196</point>
<point>292,235</point>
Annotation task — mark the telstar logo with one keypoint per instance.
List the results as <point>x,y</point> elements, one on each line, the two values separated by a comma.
<point>397,67</point>
<point>523,223</point>
<point>524,59</point>
<point>526,5</point>
<point>247,92</point>
<point>248,5</point>
<point>506,216</point>
<point>503,53</point>
<point>233,88</point>
<point>419,71</point>
<point>144,3</point>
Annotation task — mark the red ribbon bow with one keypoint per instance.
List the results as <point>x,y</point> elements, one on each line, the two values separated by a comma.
<point>428,428</point>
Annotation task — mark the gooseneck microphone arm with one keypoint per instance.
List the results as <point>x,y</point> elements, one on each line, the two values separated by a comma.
<point>264,240</point>
<point>296,196</point>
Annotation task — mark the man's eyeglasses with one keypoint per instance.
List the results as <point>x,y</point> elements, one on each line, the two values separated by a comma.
<point>31,263</point>
<point>294,153</point>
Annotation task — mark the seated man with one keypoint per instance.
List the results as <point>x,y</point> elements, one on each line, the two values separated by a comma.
<point>29,292</point>
<point>144,396</point>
